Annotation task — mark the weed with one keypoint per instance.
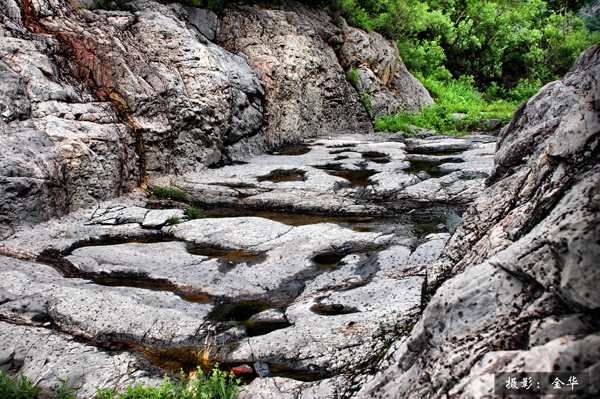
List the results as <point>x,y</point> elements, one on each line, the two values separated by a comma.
<point>353,77</point>
<point>234,323</point>
<point>194,213</point>
<point>173,220</point>
<point>215,385</point>
<point>173,193</point>
<point>17,387</point>
<point>366,100</point>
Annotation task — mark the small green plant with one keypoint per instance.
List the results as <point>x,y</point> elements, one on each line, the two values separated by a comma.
<point>173,220</point>
<point>194,213</point>
<point>353,77</point>
<point>65,393</point>
<point>217,385</point>
<point>17,387</point>
<point>234,323</point>
<point>173,193</point>
<point>366,100</point>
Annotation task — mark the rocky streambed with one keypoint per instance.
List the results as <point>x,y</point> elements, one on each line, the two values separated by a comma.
<point>310,259</point>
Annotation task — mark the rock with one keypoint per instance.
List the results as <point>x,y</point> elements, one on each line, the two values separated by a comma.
<point>516,281</point>
<point>204,20</point>
<point>269,316</point>
<point>307,92</point>
<point>489,123</point>
<point>382,76</point>
<point>47,356</point>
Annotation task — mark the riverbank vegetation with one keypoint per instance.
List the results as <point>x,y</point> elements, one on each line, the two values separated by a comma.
<point>478,58</point>
<point>217,385</point>
<point>474,56</point>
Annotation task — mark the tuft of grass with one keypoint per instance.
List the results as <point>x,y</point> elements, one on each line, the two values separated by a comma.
<point>173,220</point>
<point>234,323</point>
<point>353,77</point>
<point>193,212</point>
<point>17,387</point>
<point>173,193</point>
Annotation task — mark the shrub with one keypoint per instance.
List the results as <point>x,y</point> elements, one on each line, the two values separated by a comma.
<point>173,193</point>
<point>194,213</point>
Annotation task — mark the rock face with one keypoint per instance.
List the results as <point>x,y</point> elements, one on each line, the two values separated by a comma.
<point>112,97</point>
<point>516,287</point>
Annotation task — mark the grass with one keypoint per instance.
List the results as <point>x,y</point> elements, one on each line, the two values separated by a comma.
<point>366,100</point>
<point>451,97</point>
<point>17,387</point>
<point>173,193</point>
<point>173,220</point>
<point>216,385</point>
<point>353,77</point>
<point>194,213</point>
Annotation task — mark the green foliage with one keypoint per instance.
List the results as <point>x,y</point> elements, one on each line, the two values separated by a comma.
<point>452,97</point>
<point>108,4</point>
<point>173,193</point>
<point>592,24</point>
<point>500,44</point>
<point>353,77</point>
<point>17,387</point>
<point>173,220</point>
<point>366,100</point>
<point>193,212</point>
<point>217,385</point>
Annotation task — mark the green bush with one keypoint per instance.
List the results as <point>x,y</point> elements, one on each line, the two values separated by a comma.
<point>499,43</point>
<point>173,193</point>
<point>194,213</point>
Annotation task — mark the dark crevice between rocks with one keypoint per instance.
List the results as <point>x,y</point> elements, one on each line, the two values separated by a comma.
<point>376,157</point>
<point>188,359</point>
<point>355,177</point>
<point>140,280</point>
<point>287,215</point>
<point>228,259</point>
<point>291,149</point>
<point>241,312</point>
<point>429,167</point>
<point>332,309</point>
<point>281,175</point>
<point>434,151</point>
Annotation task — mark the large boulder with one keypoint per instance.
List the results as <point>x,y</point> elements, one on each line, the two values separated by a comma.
<point>516,287</point>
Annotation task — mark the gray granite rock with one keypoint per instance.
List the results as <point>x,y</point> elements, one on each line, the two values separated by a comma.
<point>515,288</point>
